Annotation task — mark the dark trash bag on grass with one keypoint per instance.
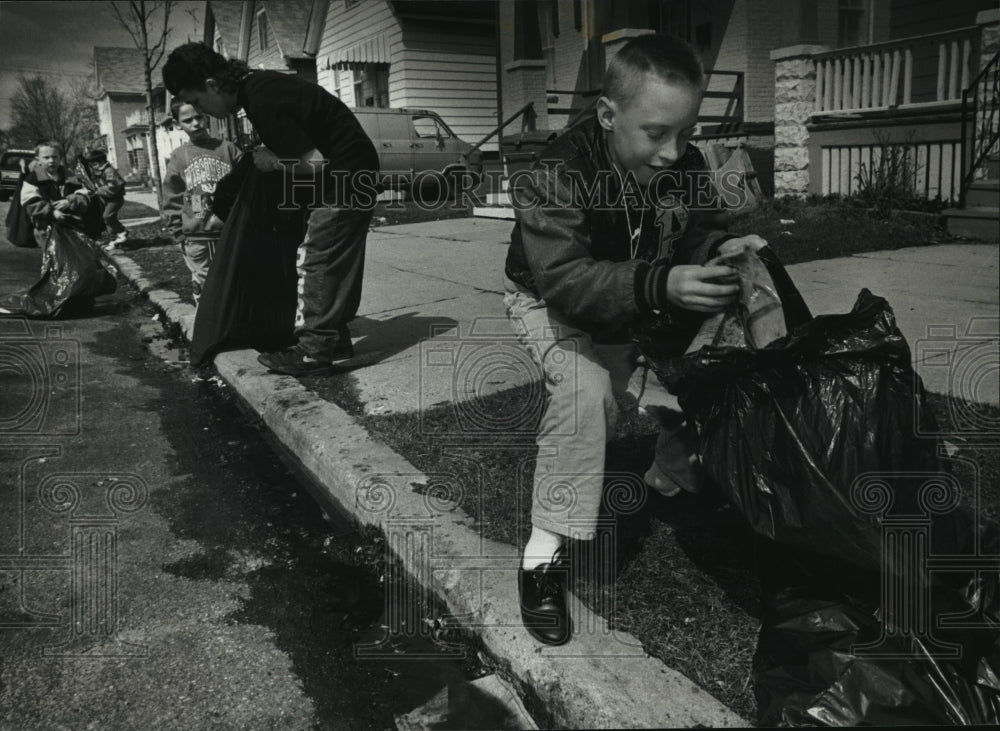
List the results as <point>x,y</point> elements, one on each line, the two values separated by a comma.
<point>72,276</point>
<point>786,429</point>
<point>830,654</point>
<point>815,440</point>
<point>249,296</point>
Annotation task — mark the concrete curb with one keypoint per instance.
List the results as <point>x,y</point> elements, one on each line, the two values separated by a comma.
<point>602,679</point>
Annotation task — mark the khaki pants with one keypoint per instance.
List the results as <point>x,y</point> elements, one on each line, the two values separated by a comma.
<point>583,380</point>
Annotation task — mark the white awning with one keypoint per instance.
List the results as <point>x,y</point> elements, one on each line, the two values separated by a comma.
<point>372,50</point>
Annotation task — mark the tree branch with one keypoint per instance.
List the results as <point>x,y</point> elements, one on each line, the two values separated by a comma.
<point>156,52</point>
<point>124,23</point>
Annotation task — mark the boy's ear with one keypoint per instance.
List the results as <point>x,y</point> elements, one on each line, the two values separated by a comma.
<point>212,85</point>
<point>606,110</point>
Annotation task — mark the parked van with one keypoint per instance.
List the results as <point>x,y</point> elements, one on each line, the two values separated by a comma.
<point>414,141</point>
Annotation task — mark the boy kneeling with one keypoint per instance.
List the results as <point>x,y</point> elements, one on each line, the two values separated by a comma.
<point>607,237</point>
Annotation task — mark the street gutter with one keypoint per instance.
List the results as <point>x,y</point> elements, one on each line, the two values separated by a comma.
<point>601,679</point>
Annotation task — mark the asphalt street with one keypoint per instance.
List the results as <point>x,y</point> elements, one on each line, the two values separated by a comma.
<point>161,567</point>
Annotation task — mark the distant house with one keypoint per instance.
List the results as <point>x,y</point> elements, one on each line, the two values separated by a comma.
<point>121,95</point>
<point>169,136</point>
<point>223,19</point>
<point>276,36</point>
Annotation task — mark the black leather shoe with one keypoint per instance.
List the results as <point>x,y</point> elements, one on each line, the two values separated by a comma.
<point>543,602</point>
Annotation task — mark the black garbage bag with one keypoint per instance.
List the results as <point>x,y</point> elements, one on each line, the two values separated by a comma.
<point>802,433</point>
<point>833,652</point>
<point>249,296</point>
<point>72,276</point>
<point>20,231</point>
<point>816,440</point>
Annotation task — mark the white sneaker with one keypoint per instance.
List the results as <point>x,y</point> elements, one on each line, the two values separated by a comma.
<point>120,238</point>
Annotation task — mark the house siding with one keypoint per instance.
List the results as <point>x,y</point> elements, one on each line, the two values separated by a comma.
<point>920,17</point>
<point>119,106</point>
<point>270,58</point>
<point>105,127</point>
<point>346,27</point>
<point>764,33</point>
<point>449,73</point>
<point>430,67</point>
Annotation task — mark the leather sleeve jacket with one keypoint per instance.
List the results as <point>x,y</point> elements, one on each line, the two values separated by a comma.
<point>40,191</point>
<point>572,243</point>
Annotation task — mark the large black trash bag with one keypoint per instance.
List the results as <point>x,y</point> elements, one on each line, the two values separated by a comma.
<point>72,276</point>
<point>249,296</point>
<point>20,231</point>
<point>784,431</point>
<point>811,667</point>
<point>815,440</point>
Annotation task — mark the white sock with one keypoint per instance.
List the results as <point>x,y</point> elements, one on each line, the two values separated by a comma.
<point>541,547</point>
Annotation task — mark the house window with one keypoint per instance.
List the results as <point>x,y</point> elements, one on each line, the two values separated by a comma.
<point>371,86</point>
<point>262,29</point>
<point>851,23</point>
<point>577,15</point>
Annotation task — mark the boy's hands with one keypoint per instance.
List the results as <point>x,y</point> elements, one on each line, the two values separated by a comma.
<point>708,288</point>
<point>702,288</point>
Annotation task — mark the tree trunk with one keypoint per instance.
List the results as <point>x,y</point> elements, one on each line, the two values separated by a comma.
<point>154,150</point>
<point>153,147</point>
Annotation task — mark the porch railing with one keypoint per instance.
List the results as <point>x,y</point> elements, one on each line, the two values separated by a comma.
<point>980,122</point>
<point>581,103</point>
<point>883,75</point>
<point>721,112</point>
<point>527,115</point>
<point>730,94</point>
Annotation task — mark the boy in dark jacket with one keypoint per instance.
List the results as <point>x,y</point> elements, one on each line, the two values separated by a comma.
<point>60,210</point>
<point>189,186</point>
<point>110,188</point>
<point>326,157</point>
<point>609,237</point>
<point>48,195</point>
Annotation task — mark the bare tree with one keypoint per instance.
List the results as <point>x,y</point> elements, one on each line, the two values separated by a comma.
<point>137,17</point>
<point>42,110</point>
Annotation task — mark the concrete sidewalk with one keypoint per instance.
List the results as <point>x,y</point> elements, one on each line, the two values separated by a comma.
<point>432,330</point>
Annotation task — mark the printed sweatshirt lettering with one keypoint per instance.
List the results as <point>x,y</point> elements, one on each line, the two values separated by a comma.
<point>189,184</point>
